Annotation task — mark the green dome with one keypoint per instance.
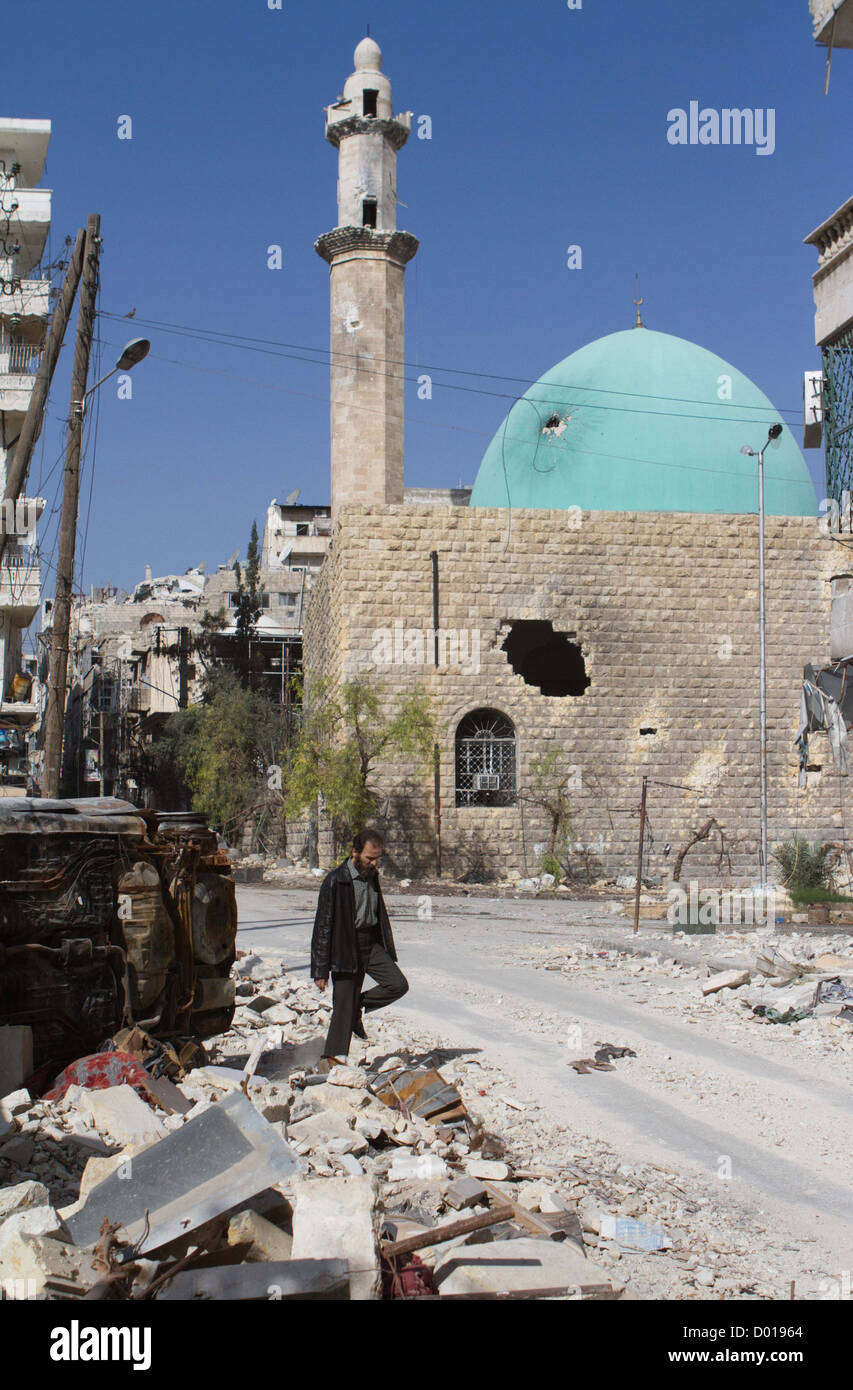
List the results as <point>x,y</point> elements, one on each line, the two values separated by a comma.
<point>635,422</point>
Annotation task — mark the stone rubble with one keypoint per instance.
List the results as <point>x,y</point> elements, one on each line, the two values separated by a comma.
<point>364,1164</point>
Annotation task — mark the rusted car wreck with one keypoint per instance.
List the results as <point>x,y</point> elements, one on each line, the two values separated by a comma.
<point>111,916</point>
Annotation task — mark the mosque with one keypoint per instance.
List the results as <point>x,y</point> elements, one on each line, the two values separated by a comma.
<point>595,595</point>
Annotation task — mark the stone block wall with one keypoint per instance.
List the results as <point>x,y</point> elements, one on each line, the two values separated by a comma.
<point>664,607</point>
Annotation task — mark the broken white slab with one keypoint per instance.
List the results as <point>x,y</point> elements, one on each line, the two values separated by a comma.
<point>487,1169</point>
<point>348,1076</point>
<point>279,1013</point>
<point>505,1266</point>
<point>338,1218</point>
<point>350,1164</point>
<point>39,1220</point>
<point>321,1129</point>
<point>344,1099</point>
<point>22,1197</point>
<point>726,979</point>
<point>122,1114</point>
<point>15,1104</point>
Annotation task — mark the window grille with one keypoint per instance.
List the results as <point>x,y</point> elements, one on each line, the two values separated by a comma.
<point>485,760</point>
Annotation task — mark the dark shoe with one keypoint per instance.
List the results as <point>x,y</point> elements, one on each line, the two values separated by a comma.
<point>358,1029</point>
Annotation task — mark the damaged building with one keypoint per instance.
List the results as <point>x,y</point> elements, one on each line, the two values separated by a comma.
<point>596,591</point>
<point>139,657</point>
<point>25,290</point>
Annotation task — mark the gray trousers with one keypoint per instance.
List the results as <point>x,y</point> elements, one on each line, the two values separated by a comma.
<point>348,999</point>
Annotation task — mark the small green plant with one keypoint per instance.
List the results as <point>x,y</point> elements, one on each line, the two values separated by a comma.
<point>548,864</point>
<point>804,866</point>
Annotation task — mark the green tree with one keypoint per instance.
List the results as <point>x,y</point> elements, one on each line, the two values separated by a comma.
<point>549,792</point>
<point>227,750</point>
<point>250,590</point>
<point>344,735</point>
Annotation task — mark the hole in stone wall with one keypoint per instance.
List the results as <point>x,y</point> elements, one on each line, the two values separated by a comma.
<point>371,96</point>
<point>368,212</point>
<point>545,658</point>
<point>648,731</point>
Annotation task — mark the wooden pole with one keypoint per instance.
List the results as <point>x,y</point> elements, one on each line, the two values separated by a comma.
<point>640,849</point>
<point>59,637</point>
<point>31,428</point>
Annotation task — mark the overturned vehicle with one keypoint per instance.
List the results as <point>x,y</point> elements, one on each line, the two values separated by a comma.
<point>111,916</point>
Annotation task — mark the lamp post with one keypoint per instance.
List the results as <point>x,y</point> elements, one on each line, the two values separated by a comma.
<point>54,715</point>
<point>772,435</point>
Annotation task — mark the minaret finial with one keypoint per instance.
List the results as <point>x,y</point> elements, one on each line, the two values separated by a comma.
<point>638,302</point>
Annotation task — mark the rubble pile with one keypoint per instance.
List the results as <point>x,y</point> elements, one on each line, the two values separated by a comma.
<point>752,978</point>
<point>258,1176</point>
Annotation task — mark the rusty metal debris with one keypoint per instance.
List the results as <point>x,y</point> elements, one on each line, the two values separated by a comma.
<point>421,1092</point>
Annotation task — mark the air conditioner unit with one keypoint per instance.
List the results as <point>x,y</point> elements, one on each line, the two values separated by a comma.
<point>486,782</point>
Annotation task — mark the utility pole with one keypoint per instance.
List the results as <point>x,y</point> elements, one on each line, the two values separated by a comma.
<point>640,849</point>
<point>59,639</point>
<point>183,658</point>
<point>31,428</point>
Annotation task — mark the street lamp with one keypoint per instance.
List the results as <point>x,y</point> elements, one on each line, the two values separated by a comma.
<point>54,716</point>
<point>773,435</point>
<point>136,349</point>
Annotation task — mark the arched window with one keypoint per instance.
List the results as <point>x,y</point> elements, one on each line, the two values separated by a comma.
<point>485,759</point>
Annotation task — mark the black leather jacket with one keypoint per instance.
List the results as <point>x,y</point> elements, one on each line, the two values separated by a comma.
<point>333,943</point>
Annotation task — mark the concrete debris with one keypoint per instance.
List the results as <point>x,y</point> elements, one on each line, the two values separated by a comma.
<point>265,1241</point>
<point>15,1104</point>
<point>488,1170</point>
<point>338,1218</point>
<point>22,1197</point>
<point>726,979</point>
<point>215,1160</point>
<point>119,1112</point>
<point>297,1279</point>
<point>502,1266</point>
<point>465,1192</point>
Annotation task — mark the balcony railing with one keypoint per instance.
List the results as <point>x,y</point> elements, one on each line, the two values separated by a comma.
<point>19,359</point>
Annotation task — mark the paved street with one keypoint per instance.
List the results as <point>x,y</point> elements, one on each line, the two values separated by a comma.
<point>705,1095</point>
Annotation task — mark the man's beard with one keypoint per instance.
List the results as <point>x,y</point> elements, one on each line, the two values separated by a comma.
<point>364,866</point>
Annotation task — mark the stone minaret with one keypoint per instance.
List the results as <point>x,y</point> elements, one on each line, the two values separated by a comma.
<point>367,258</point>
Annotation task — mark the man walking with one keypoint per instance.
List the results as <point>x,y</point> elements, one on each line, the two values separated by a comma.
<point>352,937</point>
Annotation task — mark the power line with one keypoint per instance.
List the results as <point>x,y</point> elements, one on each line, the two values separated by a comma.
<point>265,345</point>
<point>570,450</point>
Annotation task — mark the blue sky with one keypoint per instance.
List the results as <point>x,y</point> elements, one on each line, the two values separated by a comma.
<point>548,129</point>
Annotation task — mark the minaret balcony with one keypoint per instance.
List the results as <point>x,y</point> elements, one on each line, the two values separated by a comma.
<point>397,246</point>
<point>395,130</point>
